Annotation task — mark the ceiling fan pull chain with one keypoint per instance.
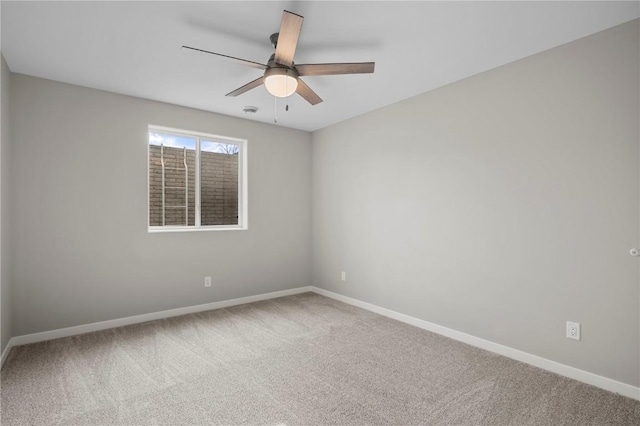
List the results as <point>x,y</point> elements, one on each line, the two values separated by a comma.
<point>286,86</point>
<point>275,110</point>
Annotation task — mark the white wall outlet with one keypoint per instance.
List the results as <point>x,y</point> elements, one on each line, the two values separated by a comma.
<point>343,276</point>
<point>573,330</point>
<point>207,281</point>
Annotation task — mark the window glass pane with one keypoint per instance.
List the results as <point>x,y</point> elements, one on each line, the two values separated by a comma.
<point>219,183</point>
<point>172,173</point>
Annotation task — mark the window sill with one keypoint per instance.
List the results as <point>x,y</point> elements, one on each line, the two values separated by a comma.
<point>163,229</point>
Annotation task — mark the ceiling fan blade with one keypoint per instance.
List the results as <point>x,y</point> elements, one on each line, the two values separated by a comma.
<point>238,60</point>
<point>288,38</point>
<point>252,85</point>
<point>334,69</point>
<point>308,94</point>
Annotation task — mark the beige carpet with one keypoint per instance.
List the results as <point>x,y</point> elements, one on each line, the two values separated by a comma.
<point>302,359</point>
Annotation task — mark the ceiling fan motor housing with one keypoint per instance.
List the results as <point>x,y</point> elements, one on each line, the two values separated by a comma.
<point>271,63</point>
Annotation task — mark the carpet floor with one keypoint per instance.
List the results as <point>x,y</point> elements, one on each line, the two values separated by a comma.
<point>302,359</point>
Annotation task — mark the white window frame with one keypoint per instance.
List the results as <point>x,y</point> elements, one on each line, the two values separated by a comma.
<point>242,182</point>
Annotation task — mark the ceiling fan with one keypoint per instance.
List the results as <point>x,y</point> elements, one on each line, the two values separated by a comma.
<point>281,76</point>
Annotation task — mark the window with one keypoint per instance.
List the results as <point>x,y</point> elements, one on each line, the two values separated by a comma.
<point>196,181</point>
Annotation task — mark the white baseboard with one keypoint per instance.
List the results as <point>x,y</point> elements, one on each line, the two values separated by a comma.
<point>136,319</point>
<point>5,352</point>
<point>543,363</point>
<point>537,361</point>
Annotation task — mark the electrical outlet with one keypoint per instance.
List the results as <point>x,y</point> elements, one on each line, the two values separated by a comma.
<point>207,281</point>
<point>573,330</point>
<point>343,276</point>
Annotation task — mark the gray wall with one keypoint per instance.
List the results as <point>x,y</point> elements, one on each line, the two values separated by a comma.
<point>6,310</point>
<point>80,246</point>
<point>501,206</point>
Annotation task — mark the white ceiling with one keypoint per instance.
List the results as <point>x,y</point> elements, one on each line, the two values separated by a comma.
<point>133,48</point>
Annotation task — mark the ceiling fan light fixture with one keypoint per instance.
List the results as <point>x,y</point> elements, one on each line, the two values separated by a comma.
<point>281,82</point>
